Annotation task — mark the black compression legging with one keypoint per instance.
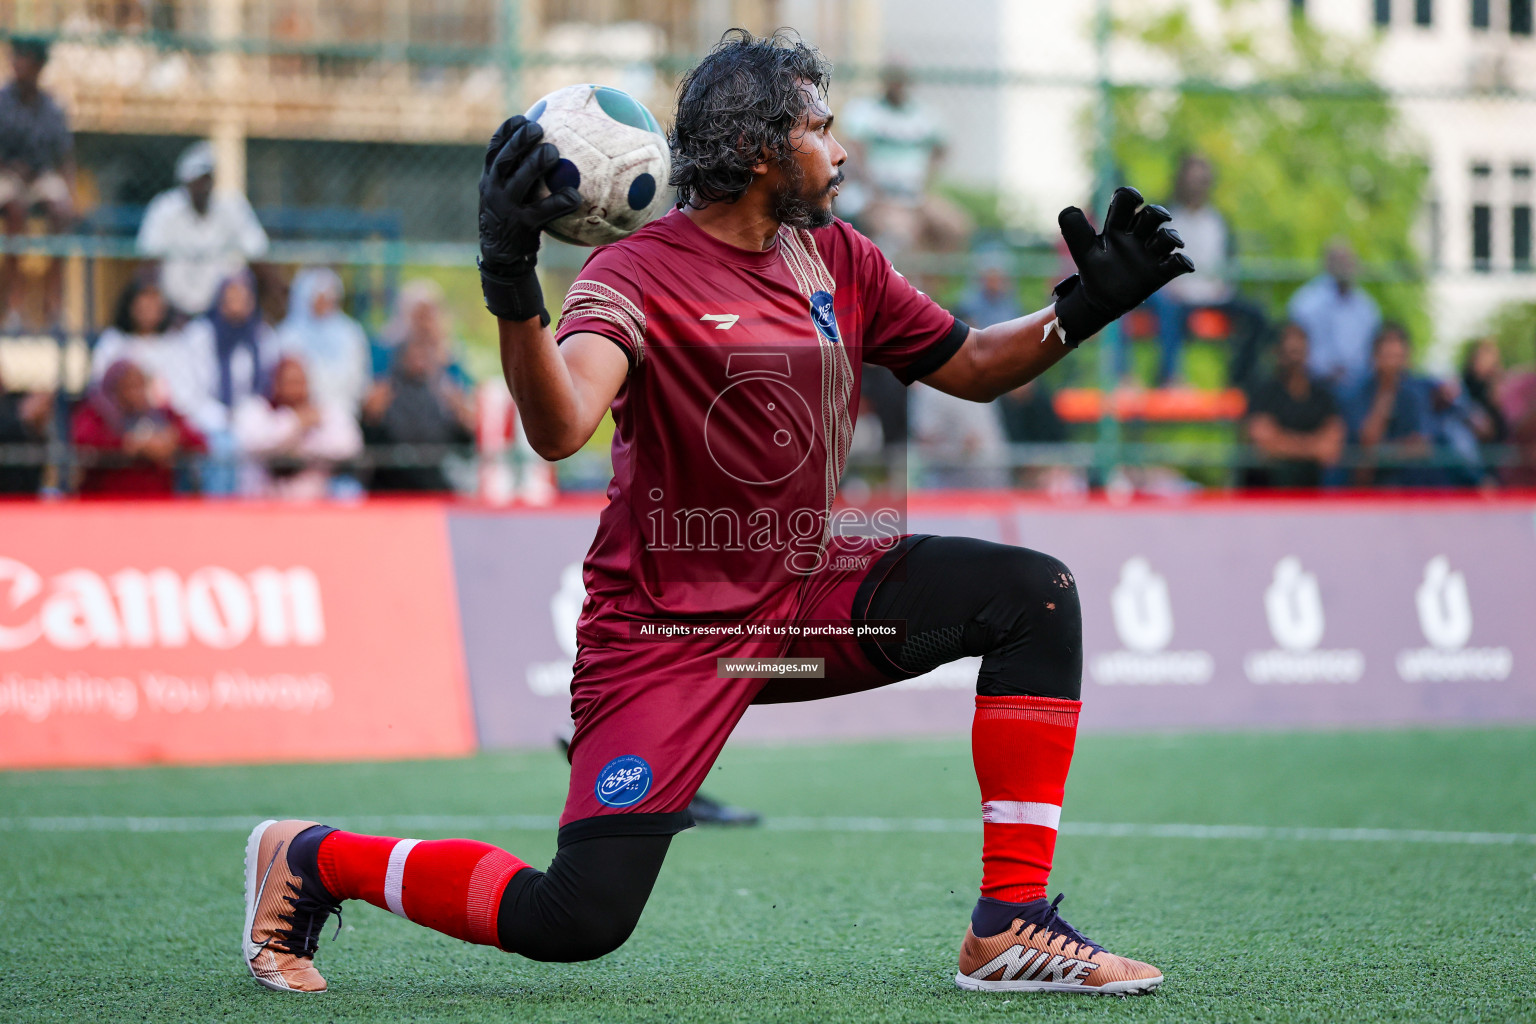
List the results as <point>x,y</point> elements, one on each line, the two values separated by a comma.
<point>1017,609</point>
<point>960,597</point>
<point>588,901</point>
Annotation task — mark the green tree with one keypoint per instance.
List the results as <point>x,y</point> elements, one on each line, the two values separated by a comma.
<point>1311,149</point>
<point>1513,326</point>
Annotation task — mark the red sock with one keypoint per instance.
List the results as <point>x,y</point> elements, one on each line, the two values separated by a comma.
<point>451,885</point>
<point>1022,747</point>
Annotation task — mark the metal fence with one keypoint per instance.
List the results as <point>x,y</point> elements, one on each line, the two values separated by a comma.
<point>356,129</point>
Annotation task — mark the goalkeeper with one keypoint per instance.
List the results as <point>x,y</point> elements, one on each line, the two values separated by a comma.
<point>727,338</point>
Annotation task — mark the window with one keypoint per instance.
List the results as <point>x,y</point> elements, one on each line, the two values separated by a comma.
<point>1423,12</point>
<point>1482,218</point>
<point>1383,12</point>
<point>1482,237</point>
<point>1520,217</point>
<point>1480,14</point>
<point>1520,17</point>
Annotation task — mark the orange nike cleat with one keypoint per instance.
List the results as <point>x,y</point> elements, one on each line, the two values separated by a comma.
<point>286,906</point>
<point>1029,948</point>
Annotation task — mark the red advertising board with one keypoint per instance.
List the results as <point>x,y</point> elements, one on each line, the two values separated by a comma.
<point>167,632</point>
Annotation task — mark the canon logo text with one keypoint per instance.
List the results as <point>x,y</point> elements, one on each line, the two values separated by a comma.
<point>212,606</point>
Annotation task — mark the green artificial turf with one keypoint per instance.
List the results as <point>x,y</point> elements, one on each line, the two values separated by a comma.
<point>833,925</point>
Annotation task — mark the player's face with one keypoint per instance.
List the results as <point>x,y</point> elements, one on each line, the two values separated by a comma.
<point>811,176</point>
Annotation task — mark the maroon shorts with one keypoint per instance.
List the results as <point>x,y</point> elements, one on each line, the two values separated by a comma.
<point>652,716</point>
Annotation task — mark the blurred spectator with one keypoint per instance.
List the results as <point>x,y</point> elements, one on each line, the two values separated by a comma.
<point>867,454</point>
<point>961,441</point>
<point>37,169</point>
<point>1293,420</point>
<point>141,332</point>
<point>895,152</point>
<point>883,399</point>
<point>419,403</point>
<point>1453,431</point>
<point>1517,400</point>
<point>1028,415</point>
<point>1389,407</point>
<point>232,351</point>
<point>291,439</point>
<point>24,420</point>
<point>128,445</point>
<point>334,346</point>
<point>994,298</point>
<point>201,237</point>
<point>1340,320</point>
<point>1208,243</point>
<point>418,313</point>
<point>1482,373</point>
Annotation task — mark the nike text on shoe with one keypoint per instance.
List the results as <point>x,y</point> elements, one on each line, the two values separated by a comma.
<point>286,906</point>
<point>1012,947</point>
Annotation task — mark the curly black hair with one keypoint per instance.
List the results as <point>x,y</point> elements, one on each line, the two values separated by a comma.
<point>745,98</point>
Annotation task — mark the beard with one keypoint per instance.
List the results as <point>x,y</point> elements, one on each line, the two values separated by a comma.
<point>800,205</point>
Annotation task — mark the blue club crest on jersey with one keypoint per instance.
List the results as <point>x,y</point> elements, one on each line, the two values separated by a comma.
<point>623,782</point>
<point>825,319</point>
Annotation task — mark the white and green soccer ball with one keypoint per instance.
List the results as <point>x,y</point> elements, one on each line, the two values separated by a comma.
<point>613,153</point>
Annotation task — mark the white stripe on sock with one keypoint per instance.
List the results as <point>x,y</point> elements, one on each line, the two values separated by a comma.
<point>394,876</point>
<point>1020,812</point>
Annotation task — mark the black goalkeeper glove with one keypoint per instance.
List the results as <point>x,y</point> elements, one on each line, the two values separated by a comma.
<point>1119,269</point>
<point>511,219</point>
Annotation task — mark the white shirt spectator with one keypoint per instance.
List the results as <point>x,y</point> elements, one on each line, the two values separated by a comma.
<point>1205,242</point>
<point>197,251</point>
<point>899,142</point>
<point>266,432</point>
<point>1340,325</point>
<point>169,360</point>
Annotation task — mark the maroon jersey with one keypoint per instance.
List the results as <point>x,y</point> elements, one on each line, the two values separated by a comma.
<point>733,426</point>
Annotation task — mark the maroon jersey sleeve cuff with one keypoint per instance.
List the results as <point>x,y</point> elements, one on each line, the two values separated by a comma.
<point>601,331</point>
<point>606,299</point>
<point>935,355</point>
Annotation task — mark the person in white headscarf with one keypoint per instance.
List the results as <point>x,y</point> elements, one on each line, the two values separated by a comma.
<point>334,346</point>
<point>201,236</point>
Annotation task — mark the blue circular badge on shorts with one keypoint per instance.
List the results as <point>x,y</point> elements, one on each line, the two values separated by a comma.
<point>623,782</point>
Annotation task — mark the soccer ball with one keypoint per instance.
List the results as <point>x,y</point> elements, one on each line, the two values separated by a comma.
<point>613,152</point>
